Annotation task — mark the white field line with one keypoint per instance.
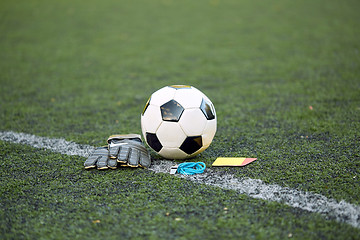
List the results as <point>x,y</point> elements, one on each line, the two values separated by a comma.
<point>342,211</point>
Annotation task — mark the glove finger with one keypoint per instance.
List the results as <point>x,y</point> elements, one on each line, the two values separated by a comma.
<point>145,160</point>
<point>93,158</point>
<point>112,163</point>
<point>123,154</point>
<point>134,158</point>
<point>102,162</point>
<point>90,162</point>
<point>113,151</point>
<point>144,157</point>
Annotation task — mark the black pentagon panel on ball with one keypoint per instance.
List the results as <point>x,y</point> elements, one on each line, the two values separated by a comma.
<point>207,110</point>
<point>191,144</point>
<point>153,141</point>
<point>171,111</point>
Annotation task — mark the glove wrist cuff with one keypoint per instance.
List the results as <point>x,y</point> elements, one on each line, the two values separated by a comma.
<point>123,137</point>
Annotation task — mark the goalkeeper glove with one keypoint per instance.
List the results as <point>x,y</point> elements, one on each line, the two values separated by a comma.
<point>123,150</point>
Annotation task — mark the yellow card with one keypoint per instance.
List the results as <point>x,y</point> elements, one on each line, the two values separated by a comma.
<point>232,161</point>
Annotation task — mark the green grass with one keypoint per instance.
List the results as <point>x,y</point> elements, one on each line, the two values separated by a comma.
<point>50,196</point>
<point>84,70</point>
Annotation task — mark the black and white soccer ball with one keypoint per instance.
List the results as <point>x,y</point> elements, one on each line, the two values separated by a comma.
<point>178,122</point>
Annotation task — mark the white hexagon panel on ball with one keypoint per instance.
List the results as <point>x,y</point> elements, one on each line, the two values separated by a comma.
<point>193,122</point>
<point>188,98</point>
<point>162,96</point>
<point>151,119</point>
<point>170,134</point>
<point>209,133</point>
<point>172,153</point>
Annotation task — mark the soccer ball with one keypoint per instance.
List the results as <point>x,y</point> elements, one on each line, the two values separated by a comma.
<point>178,122</point>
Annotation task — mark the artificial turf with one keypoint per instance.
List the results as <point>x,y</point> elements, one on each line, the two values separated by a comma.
<point>50,196</point>
<point>284,79</point>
